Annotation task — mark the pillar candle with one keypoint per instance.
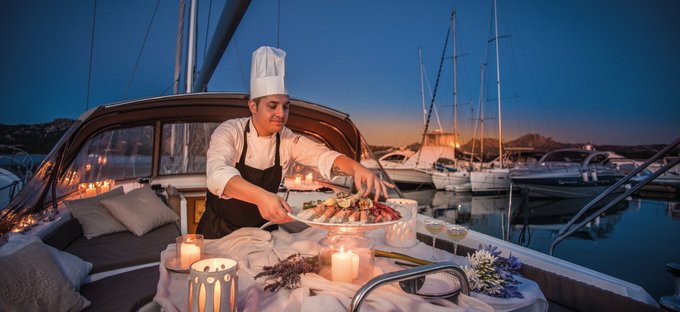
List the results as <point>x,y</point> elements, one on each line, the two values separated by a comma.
<point>309,178</point>
<point>90,190</point>
<point>344,266</point>
<point>189,253</point>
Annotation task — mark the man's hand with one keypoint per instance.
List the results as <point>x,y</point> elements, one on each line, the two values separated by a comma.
<point>273,208</point>
<point>364,176</point>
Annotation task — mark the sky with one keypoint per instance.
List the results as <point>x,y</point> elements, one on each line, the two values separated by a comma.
<point>604,72</point>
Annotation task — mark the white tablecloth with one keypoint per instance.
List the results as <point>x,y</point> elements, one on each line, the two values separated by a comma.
<point>254,248</point>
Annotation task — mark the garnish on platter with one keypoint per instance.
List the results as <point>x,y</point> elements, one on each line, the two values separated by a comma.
<point>287,273</point>
<point>348,210</point>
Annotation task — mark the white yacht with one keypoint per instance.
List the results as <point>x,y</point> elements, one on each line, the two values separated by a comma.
<point>567,173</point>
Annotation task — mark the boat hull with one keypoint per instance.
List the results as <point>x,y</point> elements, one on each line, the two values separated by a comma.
<point>442,180</point>
<point>563,188</point>
<point>409,176</point>
<point>490,181</point>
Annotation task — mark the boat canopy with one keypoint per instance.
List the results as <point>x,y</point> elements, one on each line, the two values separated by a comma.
<point>140,139</point>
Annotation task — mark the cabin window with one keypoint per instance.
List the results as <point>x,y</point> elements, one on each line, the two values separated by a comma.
<point>115,154</point>
<point>395,158</point>
<point>184,147</point>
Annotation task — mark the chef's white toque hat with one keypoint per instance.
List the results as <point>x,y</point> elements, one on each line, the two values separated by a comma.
<point>268,72</point>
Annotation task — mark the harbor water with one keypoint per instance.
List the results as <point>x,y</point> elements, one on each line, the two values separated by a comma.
<point>633,241</point>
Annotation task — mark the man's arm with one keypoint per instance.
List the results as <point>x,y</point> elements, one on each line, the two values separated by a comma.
<point>271,206</point>
<point>364,179</point>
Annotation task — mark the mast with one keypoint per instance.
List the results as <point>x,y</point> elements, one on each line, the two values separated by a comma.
<point>455,102</point>
<point>498,86</point>
<point>422,88</point>
<point>191,49</point>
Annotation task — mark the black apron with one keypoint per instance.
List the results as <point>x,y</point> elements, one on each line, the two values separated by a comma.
<point>223,216</point>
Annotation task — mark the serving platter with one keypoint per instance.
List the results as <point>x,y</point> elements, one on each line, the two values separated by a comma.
<point>355,226</point>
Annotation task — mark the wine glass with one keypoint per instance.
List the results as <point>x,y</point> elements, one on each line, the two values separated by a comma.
<point>456,233</point>
<point>435,227</point>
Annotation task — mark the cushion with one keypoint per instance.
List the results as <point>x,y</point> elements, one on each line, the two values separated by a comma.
<point>119,250</point>
<point>93,217</point>
<point>31,281</point>
<point>74,269</point>
<point>140,210</point>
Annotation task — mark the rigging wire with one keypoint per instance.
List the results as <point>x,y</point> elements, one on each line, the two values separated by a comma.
<point>278,23</point>
<point>139,55</point>
<point>178,47</point>
<point>89,67</point>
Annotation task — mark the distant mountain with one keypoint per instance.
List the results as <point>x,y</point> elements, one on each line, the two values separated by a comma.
<point>546,144</point>
<point>35,138</point>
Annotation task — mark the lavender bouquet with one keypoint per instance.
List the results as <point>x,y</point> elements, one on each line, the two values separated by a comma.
<point>493,275</point>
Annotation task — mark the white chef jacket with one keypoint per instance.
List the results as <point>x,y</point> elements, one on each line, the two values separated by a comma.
<point>226,144</point>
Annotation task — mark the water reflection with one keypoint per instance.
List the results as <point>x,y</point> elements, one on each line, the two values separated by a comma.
<point>649,225</point>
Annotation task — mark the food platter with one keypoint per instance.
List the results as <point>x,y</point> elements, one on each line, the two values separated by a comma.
<point>354,226</point>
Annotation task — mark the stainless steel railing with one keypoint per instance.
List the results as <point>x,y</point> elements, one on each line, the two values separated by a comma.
<point>570,228</point>
<point>399,276</point>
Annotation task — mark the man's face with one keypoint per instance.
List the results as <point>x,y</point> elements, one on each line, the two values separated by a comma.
<point>270,114</point>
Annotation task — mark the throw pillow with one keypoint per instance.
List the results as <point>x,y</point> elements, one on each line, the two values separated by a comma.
<point>140,210</point>
<point>93,217</point>
<point>31,281</point>
<point>74,269</point>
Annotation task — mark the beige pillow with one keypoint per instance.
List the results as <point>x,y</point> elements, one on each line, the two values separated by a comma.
<point>93,217</point>
<point>140,210</point>
<point>31,281</point>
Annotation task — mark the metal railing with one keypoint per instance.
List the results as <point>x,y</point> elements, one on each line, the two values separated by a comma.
<point>570,228</point>
<point>399,276</point>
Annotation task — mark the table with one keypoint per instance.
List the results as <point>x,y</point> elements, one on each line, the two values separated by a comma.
<point>254,248</point>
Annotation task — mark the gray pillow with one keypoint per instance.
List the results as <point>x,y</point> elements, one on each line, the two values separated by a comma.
<point>93,217</point>
<point>31,281</point>
<point>74,269</point>
<point>140,210</point>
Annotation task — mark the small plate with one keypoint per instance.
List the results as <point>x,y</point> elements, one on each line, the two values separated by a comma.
<point>439,285</point>
<point>173,266</point>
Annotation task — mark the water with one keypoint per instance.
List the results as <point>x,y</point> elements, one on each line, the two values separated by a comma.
<point>633,241</point>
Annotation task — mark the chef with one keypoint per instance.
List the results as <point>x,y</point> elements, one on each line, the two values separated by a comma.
<point>247,156</point>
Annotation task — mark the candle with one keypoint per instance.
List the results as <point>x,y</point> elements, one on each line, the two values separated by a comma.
<point>344,266</point>
<point>105,187</point>
<point>189,253</point>
<point>309,178</point>
<point>213,285</point>
<point>90,190</point>
<point>298,180</point>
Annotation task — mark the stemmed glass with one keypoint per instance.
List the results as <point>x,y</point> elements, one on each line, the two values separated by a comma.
<point>435,227</point>
<point>456,233</point>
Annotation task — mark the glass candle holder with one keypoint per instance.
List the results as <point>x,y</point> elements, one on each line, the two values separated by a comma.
<point>346,258</point>
<point>213,285</point>
<point>403,234</point>
<point>189,249</point>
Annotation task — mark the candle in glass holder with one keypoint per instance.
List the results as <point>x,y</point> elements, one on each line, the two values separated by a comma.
<point>213,285</point>
<point>189,249</point>
<point>344,266</point>
<point>298,180</point>
<point>91,190</point>
<point>105,186</point>
<point>309,178</point>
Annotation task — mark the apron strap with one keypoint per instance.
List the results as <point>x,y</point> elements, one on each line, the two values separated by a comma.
<point>242,159</point>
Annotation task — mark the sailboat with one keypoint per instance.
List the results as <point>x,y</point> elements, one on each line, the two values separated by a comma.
<point>493,180</point>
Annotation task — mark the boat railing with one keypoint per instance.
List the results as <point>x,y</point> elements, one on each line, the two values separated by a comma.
<point>569,228</point>
<point>399,276</point>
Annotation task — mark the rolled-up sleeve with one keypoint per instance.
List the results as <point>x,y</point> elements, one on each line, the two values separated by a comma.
<point>310,153</point>
<point>221,158</point>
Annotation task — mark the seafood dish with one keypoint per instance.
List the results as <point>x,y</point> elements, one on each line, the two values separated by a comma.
<point>344,209</point>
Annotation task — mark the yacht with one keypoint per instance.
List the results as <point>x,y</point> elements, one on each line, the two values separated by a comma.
<point>567,173</point>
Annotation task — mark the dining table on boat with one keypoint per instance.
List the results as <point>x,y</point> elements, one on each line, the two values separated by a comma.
<point>254,248</point>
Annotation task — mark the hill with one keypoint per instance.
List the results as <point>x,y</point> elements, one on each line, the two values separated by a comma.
<point>35,138</point>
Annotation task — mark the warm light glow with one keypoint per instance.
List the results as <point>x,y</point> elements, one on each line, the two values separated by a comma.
<point>309,178</point>
<point>298,180</point>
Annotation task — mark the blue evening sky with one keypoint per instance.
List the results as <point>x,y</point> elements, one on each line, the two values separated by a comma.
<point>600,71</point>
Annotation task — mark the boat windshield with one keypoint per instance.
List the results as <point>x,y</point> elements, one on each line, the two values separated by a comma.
<point>566,156</point>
